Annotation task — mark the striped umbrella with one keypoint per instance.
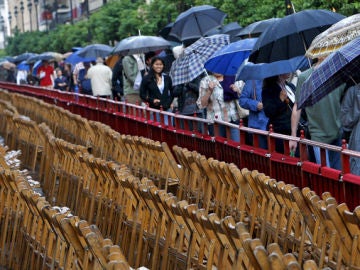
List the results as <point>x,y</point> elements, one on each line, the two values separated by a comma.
<point>335,37</point>
<point>340,67</point>
<point>191,63</point>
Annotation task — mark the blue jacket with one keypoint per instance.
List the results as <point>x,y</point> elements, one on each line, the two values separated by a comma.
<point>249,98</point>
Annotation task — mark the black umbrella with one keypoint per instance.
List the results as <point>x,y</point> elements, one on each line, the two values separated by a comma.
<point>95,50</point>
<point>196,22</point>
<point>290,36</point>
<point>8,59</point>
<point>228,29</point>
<point>256,28</point>
<point>24,57</point>
<point>231,28</point>
<point>164,32</point>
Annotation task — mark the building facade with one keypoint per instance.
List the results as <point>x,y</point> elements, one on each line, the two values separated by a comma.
<point>44,15</point>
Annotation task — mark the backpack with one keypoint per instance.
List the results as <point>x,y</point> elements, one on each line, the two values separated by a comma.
<point>84,83</point>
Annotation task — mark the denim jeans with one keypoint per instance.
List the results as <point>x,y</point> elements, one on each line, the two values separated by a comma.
<point>167,119</point>
<point>333,158</point>
<point>234,132</point>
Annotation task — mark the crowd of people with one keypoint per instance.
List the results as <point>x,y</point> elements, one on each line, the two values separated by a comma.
<point>144,79</point>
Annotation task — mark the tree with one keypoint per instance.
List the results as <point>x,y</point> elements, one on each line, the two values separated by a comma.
<point>118,19</point>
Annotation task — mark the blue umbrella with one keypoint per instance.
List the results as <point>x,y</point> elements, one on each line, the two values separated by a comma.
<point>74,58</point>
<point>23,66</point>
<point>228,59</point>
<point>339,67</point>
<point>251,71</point>
<point>36,66</point>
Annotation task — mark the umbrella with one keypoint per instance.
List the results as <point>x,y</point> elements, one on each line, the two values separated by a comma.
<point>53,55</point>
<point>231,28</point>
<point>251,71</point>
<point>335,37</point>
<point>164,32</point>
<point>48,56</point>
<point>74,58</point>
<point>23,66</point>
<point>7,65</point>
<point>256,28</point>
<point>95,50</point>
<point>24,57</point>
<point>141,44</point>
<point>292,35</point>
<point>196,22</point>
<point>7,59</point>
<point>339,67</point>
<point>227,60</point>
<point>191,63</point>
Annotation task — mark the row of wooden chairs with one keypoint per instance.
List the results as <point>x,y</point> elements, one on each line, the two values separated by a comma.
<point>180,235</point>
<point>275,212</point>
<point>66,125</point>
<point>36,235</point>
<point>272,211</point>
<point>142,155</point>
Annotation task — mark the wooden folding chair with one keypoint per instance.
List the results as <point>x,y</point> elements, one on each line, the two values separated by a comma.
<point>10,129</point>
<point>30,141</point>
<point>99,148</point>
<point>191,184</point>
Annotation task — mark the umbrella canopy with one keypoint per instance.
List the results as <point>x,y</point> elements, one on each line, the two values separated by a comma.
<point>227,60</point>
<point>290,36</point>
<point>251,71</point>
<point>48,56</point>
<point>196,22</point>
<point>335,37</point>
<point>191,63</point>
<point>95,50</point>
<point>23,66</point>
<point>256,28</point>
<point>24,57</point>
<point>8,58</point>
<point>339,67</point>
<point>74,58</point>
<point>7,65</point>
<point>164,32</point>
<point>231,28</point>
<point>141,44</point>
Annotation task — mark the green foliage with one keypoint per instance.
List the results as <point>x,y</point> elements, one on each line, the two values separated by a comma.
<point>2,53</point>
<point>122,18</point>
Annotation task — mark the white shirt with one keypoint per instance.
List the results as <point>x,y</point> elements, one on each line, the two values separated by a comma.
<point>100,76</point>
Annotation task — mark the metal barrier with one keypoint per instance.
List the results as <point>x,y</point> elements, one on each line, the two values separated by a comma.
<point>184,131</point>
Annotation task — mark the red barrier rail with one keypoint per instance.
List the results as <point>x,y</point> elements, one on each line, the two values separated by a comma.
<point>141,121</point>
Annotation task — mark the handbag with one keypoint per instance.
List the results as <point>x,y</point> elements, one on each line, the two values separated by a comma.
<point>243,113</point>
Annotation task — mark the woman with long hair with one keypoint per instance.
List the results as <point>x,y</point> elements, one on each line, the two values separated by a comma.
<point>156,87</point>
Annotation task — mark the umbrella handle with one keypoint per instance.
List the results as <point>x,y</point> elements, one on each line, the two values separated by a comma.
<point>351,78</point>
<point>303,41</point>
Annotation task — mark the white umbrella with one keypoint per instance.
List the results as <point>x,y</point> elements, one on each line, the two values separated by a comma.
<point>141,44</point>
